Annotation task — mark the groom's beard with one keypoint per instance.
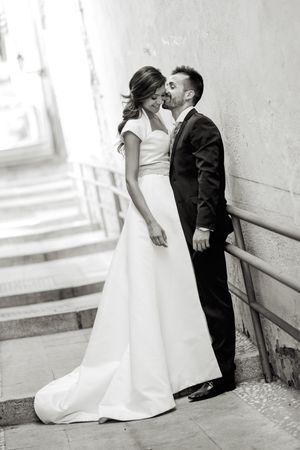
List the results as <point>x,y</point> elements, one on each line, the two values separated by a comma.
<point>172,103</point>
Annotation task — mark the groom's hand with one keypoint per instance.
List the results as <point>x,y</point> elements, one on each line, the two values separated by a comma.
<point>201,240</point>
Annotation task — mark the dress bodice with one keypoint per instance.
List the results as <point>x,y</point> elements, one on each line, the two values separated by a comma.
<point>154,153</point>
<point>154,147</point>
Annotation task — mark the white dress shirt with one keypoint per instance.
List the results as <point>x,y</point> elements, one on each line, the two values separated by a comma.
<point>183,114</point>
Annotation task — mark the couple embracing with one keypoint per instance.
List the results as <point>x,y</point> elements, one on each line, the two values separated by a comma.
<point>152,337</point>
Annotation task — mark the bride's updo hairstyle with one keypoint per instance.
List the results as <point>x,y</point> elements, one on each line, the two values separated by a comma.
<point>142,85</point>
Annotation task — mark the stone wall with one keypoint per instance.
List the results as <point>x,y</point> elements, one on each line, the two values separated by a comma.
<point>247,52</point>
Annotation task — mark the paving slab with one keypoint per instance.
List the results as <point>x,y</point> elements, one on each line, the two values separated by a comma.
<point>27,364</point>
<point>234,424</point>
<point>226,422</point>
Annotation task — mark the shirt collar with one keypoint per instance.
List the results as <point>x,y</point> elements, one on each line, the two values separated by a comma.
<point>183,114</point>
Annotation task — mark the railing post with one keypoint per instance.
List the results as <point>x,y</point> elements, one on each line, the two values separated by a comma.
<point>252,299</point>
<point>98,196</point>
<point>116,200</point>
<point>86,194</point>
<point>76,178</point>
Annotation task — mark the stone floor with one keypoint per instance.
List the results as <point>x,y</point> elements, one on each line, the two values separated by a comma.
<point>255,416</point>
<point>276,401</point>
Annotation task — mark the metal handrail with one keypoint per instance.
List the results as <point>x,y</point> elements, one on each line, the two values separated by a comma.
<point>292,331</point>
<point>94,166</point>
<point>94,163</point>
<point>246,259</point>
<point>290,231</point>
<point>263,266</point>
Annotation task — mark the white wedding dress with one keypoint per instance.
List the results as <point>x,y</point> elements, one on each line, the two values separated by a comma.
<point>150,338</point>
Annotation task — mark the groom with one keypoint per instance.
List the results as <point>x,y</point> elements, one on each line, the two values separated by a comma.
<point>198,180</point>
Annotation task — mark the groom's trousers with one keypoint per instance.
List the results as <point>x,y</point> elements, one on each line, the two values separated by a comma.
<point>211,276</point>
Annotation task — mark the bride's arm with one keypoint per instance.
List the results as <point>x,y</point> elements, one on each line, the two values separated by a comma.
<point>132,153</point>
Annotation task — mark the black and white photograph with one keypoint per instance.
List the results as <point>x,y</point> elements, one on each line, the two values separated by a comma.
<point>149,225</point>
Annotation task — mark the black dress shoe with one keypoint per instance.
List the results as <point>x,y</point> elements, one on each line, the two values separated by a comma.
<point>211,389</point>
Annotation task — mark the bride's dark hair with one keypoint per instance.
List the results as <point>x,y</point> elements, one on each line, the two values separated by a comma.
<point>142,85</point>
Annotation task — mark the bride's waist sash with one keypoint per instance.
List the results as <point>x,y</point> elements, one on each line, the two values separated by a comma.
<point>158,168</point>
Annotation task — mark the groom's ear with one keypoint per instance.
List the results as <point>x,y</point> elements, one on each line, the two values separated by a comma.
<point>189,94</point>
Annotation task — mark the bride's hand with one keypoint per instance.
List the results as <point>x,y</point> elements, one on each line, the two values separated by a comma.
<point>157,234</point>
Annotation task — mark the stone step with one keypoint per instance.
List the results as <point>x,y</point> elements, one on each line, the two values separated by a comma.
<point>27,191</point>
<point>41,221</point>
<point>53,295</point>
<point>50,317</point>
<point>53,280</point>
<point>19,235</point>
<point>51,244</point>
<point>27,364</point>
<point>14,209</point>
<point>62,247</point>
<point>29,174</point>
<point>46,200</point>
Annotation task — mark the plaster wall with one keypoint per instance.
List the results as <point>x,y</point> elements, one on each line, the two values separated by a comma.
<point>247,52</point>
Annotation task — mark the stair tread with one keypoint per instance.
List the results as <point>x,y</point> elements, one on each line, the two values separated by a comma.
<point>51,308</point>
<point>35,201</point>
<point>45,232</point>
<point>56,274</point>
<point>43,173</point>
<point>27,190</point>
<point>30,363</point>
<point>52,244</point>
<point>41,218</point>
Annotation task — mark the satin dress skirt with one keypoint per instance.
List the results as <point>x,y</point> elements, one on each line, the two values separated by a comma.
<point>150,337</point>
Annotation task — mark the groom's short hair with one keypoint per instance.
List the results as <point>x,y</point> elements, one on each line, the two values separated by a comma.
<point>196,80</point>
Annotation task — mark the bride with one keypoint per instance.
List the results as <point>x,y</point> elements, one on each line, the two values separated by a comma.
<point>150,338</point>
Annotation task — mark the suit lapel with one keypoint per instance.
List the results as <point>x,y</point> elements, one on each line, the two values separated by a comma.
<point>190,114</point>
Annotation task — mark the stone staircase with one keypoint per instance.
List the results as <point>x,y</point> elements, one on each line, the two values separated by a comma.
<point>53,265</point>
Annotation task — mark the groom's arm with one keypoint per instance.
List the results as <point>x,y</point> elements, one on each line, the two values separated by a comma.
<point>206,141</point>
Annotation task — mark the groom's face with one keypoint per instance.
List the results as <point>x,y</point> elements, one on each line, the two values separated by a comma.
<point>175,91</point>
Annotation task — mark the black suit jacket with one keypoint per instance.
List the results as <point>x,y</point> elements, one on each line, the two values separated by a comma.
<point>197,177</point>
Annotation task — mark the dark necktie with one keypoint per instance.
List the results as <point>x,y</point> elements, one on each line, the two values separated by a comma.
<point>173,135</point>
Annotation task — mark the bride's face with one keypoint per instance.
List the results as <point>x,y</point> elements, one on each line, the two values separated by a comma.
<point>153,103</point>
